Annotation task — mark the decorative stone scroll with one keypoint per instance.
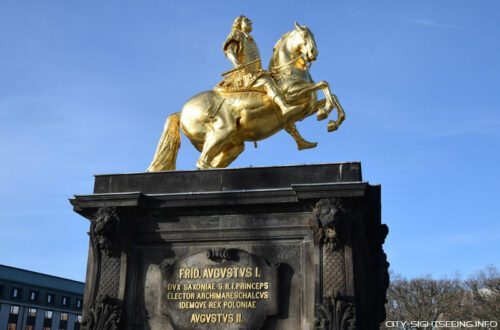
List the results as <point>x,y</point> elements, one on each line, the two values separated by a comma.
<point>219,288</point>
<point>337,313</point>
<point>103,315</point>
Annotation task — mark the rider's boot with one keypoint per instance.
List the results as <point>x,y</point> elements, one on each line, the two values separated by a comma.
<point>275,94</point>
<point>284,107</point>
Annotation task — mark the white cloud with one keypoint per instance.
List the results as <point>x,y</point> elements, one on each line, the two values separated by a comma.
<point>429,23</point>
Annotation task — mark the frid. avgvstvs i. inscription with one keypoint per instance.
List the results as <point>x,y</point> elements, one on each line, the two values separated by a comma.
<point>219,288</point>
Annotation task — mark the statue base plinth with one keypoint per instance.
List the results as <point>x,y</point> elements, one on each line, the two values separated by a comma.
<point>291,247</point>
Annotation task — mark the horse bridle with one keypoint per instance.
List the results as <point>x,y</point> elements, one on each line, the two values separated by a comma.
<point>293,60</point>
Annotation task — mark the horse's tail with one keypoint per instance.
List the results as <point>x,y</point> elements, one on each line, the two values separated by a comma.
<point>170,142</point>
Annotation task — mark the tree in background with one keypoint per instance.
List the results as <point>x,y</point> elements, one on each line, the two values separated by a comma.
<point>427,299</point>
<point>423,299</point>
<point>482,295</point>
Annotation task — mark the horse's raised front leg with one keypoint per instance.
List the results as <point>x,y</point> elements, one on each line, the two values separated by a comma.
<point>302,144</point>
<point>325,88</point>
<point>332,124</point>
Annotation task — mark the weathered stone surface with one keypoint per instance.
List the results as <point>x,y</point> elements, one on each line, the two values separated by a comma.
<point>320,223</point>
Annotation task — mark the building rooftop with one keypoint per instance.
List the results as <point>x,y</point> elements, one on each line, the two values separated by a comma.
<point>33,278</point>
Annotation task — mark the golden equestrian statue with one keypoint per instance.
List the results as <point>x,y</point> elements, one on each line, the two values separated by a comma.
<point>250,104</point>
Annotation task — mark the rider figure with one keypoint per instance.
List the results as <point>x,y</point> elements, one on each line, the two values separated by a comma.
<point>241,49</point>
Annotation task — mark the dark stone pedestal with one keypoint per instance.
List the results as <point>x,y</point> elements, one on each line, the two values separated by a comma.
<point>293,247</point>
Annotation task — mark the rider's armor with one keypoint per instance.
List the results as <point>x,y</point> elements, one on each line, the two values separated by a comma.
<point>246,48</point>
<point>249,75</point>
<point>246,51</point>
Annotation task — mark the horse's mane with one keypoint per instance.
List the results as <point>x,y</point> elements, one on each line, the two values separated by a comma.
<point>277,46</point>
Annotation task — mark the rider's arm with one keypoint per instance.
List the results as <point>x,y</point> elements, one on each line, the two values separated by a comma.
<point>231,51</point>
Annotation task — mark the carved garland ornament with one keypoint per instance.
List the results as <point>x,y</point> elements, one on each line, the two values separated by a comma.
<point>105,310</point>
<point>329,222</point>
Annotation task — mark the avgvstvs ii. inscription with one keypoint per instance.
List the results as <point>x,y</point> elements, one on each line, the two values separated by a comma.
<point>222,287</point>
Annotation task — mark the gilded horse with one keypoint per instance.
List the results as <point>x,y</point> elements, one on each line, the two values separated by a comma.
<point>219,122</point>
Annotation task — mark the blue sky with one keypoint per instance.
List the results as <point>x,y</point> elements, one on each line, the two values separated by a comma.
<point>85,88</point>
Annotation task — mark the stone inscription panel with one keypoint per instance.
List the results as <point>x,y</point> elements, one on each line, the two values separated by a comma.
<point>219,289</point>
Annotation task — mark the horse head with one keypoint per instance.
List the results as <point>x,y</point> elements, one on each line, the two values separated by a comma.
<point>298,43</point>
<point>304,42</point>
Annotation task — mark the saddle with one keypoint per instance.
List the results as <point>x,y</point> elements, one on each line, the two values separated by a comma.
<point>240,80</point>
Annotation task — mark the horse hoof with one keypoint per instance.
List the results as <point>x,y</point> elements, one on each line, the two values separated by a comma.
<point>322,114</point>
<point>307,145</point>
<point>332,126</point>
<point>201,165</point>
